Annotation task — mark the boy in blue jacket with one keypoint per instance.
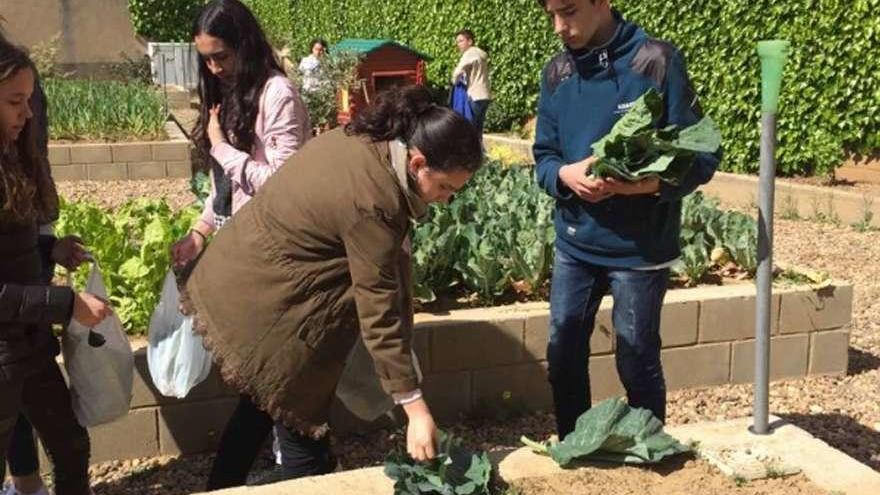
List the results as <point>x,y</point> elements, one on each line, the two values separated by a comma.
<point>611,235</point>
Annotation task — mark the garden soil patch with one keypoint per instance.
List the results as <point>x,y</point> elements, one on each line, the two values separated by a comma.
<point>670,478</point>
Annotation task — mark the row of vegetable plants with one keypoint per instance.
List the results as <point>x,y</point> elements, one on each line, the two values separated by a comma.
<point>493,242</point>
<point>92,110</point>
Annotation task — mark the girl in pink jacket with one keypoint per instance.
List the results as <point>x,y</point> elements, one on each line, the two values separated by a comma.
<point>252,117</point>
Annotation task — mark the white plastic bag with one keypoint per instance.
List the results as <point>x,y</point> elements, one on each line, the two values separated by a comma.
<point>99,363</point>
<point>176,357</point>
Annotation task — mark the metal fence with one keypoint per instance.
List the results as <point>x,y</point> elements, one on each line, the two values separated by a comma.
<point>174,64</point>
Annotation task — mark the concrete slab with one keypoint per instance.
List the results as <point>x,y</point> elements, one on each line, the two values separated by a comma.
<point>825,466</point>
<point>368,481</point>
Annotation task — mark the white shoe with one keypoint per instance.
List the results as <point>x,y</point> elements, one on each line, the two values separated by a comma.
<point>10,490</point>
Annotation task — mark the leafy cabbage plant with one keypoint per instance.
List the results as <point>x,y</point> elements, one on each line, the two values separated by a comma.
<point>613,431</point>
<point>455,471</point>
<point>635,148</point>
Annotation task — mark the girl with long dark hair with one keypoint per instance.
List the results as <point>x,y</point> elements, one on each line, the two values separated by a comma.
<point>21,452</point>
<point>30,379</point>
<point>251,118</point>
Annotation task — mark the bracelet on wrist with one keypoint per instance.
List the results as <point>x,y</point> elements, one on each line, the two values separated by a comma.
<point>200,234</point>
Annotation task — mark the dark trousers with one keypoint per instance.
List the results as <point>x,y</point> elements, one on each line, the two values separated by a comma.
<point>45,400</point>
<point>22,451</point>
<point>575,294</point>
<point>479,109</point>
<point>245,434</point>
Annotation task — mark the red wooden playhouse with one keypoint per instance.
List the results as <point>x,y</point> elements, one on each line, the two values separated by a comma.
<point>384,64</point>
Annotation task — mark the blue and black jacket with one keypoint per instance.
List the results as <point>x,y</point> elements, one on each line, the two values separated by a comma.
<point>582,97</point>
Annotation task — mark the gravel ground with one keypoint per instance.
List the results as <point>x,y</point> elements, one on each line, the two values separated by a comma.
<point>110,194</point>
<point>843,411</point>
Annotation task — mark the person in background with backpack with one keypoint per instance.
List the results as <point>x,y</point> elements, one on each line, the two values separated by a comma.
<point>30,379</point>
<point>472,72</point>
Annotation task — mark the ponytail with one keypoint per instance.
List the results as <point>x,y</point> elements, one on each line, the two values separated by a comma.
<point>447,140</point>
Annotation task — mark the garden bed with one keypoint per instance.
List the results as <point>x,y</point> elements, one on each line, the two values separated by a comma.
<point>491,363</point>
<point>733,399</point>
<point>106,130</point>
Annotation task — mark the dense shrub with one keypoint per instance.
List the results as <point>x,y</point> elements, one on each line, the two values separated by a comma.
<point>831,97</point>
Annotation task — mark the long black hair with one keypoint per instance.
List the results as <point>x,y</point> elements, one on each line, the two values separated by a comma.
<point>255,62</point>
<point>448,141</point>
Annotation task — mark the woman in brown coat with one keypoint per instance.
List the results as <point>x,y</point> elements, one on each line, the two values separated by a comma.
<point>281,292</point>
<point>30,380</point>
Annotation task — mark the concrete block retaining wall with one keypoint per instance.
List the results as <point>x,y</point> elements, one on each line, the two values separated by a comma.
<point>480,361</point>
<point>120,161</point>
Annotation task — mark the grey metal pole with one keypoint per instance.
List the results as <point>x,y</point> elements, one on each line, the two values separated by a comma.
<point>773,56</point>
<point>766,188</point>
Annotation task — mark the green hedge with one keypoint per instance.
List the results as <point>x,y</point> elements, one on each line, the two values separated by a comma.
<point>831,95</point>
<point>830,102</point>
<point>275,18</point>
<point>164,20</point>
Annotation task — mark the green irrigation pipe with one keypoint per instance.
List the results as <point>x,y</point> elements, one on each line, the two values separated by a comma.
<point>773,54</point>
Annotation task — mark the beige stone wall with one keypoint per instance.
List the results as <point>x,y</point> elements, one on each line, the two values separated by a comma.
<point>119,161</point>
<point>491,361</point>
<point>92,31</point>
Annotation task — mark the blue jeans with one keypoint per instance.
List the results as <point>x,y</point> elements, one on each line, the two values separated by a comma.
<point>576,291</point>
<point>479,108</point>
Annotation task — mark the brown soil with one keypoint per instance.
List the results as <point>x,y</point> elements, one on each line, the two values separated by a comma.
<point>671,478</point>
<point>110,194</point>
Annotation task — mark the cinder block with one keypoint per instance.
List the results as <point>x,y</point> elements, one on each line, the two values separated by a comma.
<point>179,169</point>
<point>604,380</point>
<point>131,437</point>
<point>177,434</point>
<point>147,170</point>
<point>788,358</point>
<point>448,394</point>
<point>829,352</point>
<point>694,366</point>
<point>107,171</point>
<point>536,336</point>
<point>822,309</point>
<point>171,151</point>
<point>733,318</point>
<point>90,153</point>
<point>679,322</point>
<point>131,152</point>
<point>59,154</point>
<point>460,345</point>
<point>145,394</point>
<point>538,332</point>
<point>68,172</point>
<point>517,386</point>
